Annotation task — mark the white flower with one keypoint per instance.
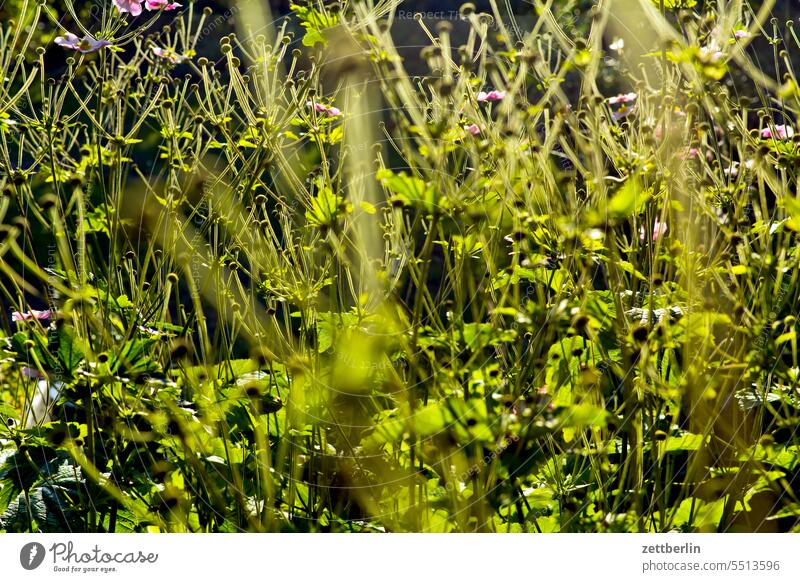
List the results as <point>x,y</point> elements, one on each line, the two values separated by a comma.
<point>733,170</point>
<point>711,52</point>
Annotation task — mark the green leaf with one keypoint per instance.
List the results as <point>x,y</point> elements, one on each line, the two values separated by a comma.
<point>676,4</point>
<point>409,190</point>
<point>124,303</point>
<point>327,208</point>
<point>631,270</point>
<point>628,200</point>
<point>367,207</point>
<point>685,442</point>
<point>329,325</point>
<point>70,353</point>
<point>583,416</point>
<point>739,270</point>
<point>313,38</point>
<point>480,335</point>
<point>315,22</point>
<point>695,513</point>
<point>467,246</point>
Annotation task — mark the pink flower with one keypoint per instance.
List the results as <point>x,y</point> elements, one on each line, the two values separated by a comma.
<point>161,5</point>
<point>741,33</point>
<point>688,152</point>
<point>29,315</point>
<point>622,98</point>
<point>134,7</point>
<point>31,372</point>
<point>711,53</point>
<point>87,44</point>
<point>781,132</point>
<point>491,96</point>
<point>625,102</point>
<point>320,108</point>
<point>169,55</point>
<point>659,230</point>
<point>473,129</point>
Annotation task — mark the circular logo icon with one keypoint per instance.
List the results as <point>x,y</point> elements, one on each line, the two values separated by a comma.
<point>31,555</point>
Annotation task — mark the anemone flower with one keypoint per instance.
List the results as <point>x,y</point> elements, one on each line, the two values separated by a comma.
<point>733,169</point>
<point>622,112</point>
<point>133,7</point>
<point>625,103</point>
<point>491,96</point>
<point>31,373</point>
<point>688,152</point>
<point>781,132</point>
<point>659,230</point>
<point>711,53</point>
<point>87,44</point>
<point>473,129</point>
<point>320,108</point>
<point>30,315</point>
<point>169,55</point>
<point>161,5</point>
<point>622,98</point>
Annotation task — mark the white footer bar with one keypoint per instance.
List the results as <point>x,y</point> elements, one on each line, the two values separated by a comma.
<point>401,557</point>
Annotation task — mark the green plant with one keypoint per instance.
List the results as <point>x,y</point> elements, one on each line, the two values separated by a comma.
<point>548,286</point>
